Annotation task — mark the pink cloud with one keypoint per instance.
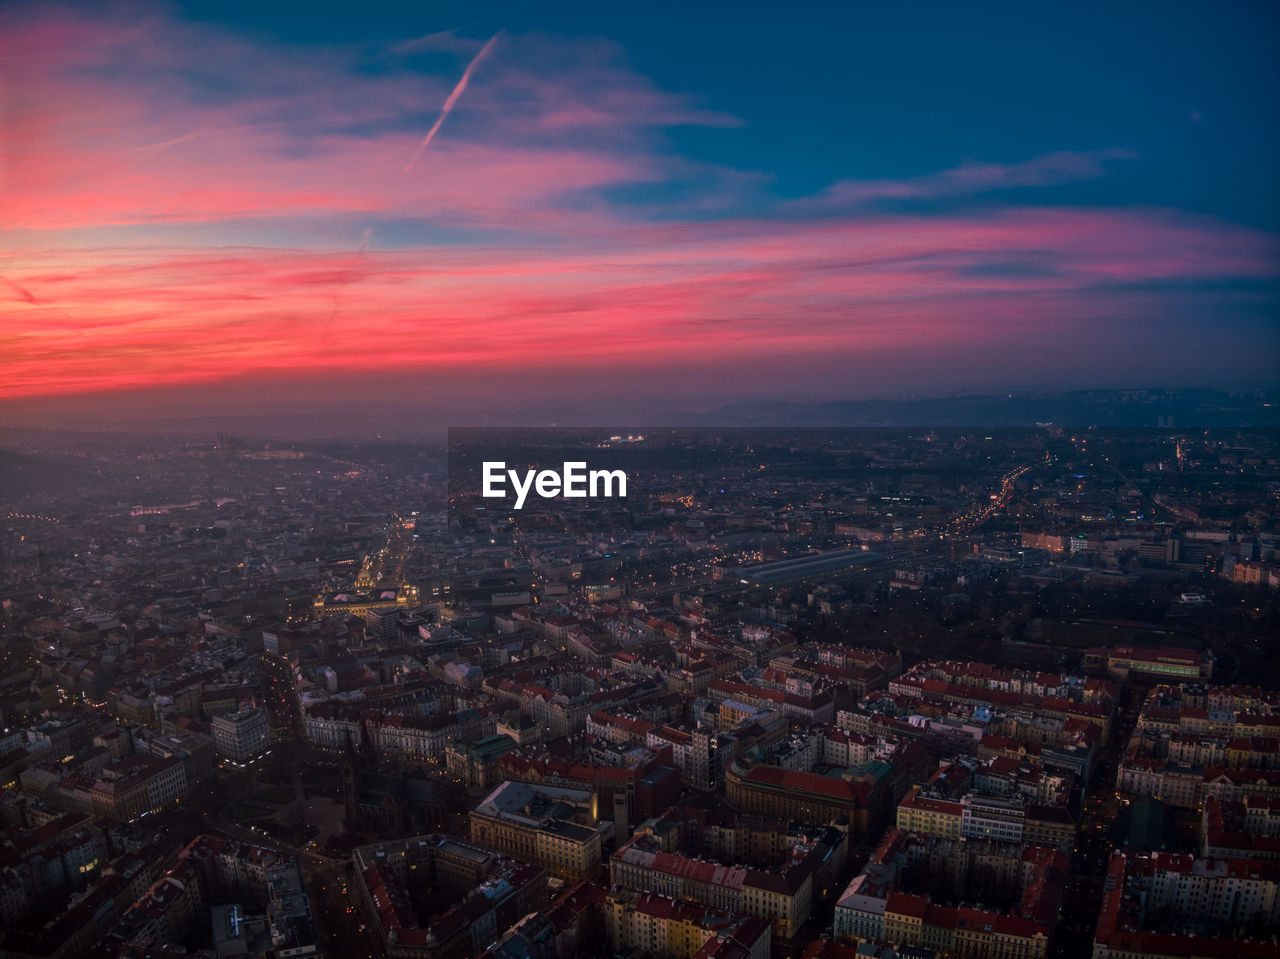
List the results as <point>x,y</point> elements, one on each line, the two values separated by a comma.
<point>1050,169</point>
<point>806,289</point>
<point>109,127</point>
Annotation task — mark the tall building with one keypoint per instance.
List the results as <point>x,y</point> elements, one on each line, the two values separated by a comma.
<point>707,759</point>
<point>242,735</point>
<point>380,622</point>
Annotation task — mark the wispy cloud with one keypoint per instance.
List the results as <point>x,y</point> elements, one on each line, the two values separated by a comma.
<point>971,178</point>
<point>439,41</point>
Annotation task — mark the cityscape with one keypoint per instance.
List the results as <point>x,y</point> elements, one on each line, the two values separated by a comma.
<point>801,692</point>
<point>509,479</point>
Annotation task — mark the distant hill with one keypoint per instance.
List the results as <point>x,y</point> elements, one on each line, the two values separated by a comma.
<point>23,475</point>
<point>1102,408</point>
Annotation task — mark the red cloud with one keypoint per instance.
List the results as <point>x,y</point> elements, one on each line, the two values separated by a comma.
<point>839,288</point>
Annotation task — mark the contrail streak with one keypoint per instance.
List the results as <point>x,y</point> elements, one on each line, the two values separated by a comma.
<point>156,147</point>
<point>453,98</point>
<point>24,295</point>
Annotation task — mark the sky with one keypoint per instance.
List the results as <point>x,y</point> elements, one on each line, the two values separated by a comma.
<point>464,209</point>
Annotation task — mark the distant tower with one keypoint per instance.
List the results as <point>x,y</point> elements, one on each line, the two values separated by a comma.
<point>350,781</point>
<point>368,757</point>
